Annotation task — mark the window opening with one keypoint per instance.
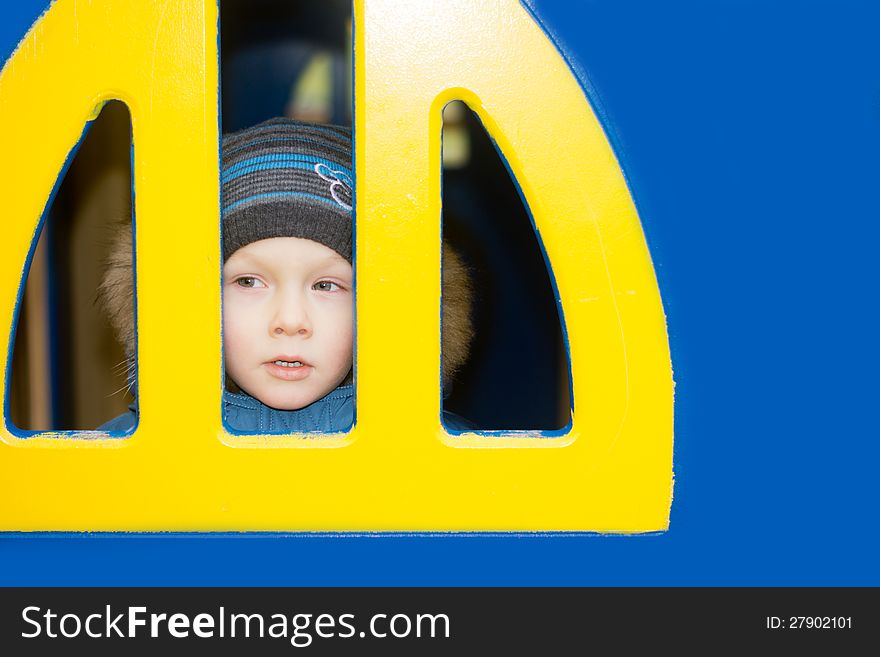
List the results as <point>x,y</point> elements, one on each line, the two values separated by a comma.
<point>516,375</point>
<point>284,61</point>
<point>68,371</point>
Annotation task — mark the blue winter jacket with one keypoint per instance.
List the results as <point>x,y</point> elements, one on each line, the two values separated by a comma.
<point>330,414</point>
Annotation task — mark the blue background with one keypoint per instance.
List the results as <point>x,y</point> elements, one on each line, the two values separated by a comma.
<point>750,135</point>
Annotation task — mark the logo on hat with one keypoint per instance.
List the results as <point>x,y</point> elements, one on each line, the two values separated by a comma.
<point>340,184</point>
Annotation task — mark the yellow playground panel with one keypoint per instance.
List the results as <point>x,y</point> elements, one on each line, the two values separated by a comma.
<point>397,469</point>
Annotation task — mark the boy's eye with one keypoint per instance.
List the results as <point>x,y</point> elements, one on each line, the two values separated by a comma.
<point>249,281</point>
<point>325,286</point>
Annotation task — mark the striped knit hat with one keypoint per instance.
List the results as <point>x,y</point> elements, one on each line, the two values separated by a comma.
<point>286,178</point>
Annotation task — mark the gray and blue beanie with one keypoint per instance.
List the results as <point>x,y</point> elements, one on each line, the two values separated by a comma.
<point>286,178</point>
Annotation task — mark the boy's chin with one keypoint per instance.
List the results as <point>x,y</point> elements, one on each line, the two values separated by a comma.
<point>285,398</point>
<point>286,402</point>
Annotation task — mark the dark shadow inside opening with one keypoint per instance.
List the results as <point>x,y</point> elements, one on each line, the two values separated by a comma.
<point>517,373</point>
<point>68,370</point>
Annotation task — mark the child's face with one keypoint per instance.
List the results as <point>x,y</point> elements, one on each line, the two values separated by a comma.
<point>287,320</point>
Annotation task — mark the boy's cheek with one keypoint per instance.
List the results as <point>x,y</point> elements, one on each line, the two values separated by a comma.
<point>234,344</point>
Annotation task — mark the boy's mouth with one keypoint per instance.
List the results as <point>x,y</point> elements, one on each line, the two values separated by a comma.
<point>285,363</point>
<point>289,368</point>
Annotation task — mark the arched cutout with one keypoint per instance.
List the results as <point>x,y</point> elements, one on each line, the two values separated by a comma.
<point>68,371</point>
<point>517,374</point>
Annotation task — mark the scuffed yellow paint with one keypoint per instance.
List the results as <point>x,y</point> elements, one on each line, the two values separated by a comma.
<point>397,469</point>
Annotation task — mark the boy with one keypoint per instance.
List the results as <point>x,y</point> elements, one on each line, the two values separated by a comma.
<point>288,283</point>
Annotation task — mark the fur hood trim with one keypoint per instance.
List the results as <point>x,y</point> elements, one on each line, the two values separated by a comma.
<point>116,295</point>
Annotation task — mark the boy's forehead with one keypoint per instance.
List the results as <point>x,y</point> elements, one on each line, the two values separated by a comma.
<point>283,250</point>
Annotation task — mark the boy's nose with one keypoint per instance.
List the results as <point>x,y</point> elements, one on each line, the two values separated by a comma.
<point>289,326</point>
<point>291,319</point>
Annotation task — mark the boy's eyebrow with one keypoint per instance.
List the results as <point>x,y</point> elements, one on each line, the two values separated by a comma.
<point>243,259</point>
<point>333,270</point>
<point>335,260</point>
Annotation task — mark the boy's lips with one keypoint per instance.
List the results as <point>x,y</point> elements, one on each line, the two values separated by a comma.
<point>288,368</point>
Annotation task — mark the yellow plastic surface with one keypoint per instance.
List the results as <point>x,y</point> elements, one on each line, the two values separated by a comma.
<point>397,469</point>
